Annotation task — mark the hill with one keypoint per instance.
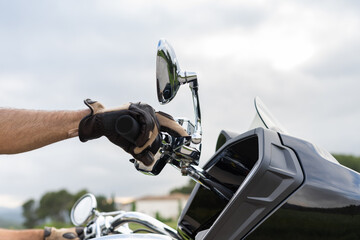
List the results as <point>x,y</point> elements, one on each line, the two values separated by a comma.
<point>11,217</point>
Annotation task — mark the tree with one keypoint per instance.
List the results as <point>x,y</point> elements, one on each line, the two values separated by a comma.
<point>105,205</point>
<point>133,206</point>
<point>29,213</point>
<point>55,206</point>
<point>184,189</point>
<point>78,195</point>
<point>349,161</point>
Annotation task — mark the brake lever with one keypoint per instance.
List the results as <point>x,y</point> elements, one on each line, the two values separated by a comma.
<point>172,149</point>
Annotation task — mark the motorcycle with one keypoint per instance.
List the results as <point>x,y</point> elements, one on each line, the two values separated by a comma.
<point>261,184</point>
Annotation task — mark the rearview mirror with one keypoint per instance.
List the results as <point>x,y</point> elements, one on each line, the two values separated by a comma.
<point>169,76</point>
<point>167,69</point>
<point>83,209</point>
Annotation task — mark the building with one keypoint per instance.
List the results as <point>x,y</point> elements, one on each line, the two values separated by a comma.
<point>164,207</point>
<point>125,203</point>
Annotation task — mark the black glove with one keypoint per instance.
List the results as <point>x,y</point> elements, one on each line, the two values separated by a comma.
<point>102,122</point>
<point>51,233</point>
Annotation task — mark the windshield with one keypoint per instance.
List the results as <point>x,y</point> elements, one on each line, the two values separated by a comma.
<point>265,119</point>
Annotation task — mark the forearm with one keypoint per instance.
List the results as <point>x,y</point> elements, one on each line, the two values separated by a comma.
<point>25,130</point>
<point>33,234</point>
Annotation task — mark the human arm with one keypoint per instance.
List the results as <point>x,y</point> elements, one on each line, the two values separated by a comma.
<point>24,130</point>
<point>49,233</point>
<point>33,234</point>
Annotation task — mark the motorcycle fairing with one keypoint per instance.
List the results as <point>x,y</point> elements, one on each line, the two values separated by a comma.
<point>326,206</point>
<point>274,173</point>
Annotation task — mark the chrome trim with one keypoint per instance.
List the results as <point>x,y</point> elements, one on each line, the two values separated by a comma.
<point>186,124</point>
<point>145,220</point>
<point>168,80</point>
<point>134,237</point>
<point>112,213</point>
<point>197,135</point>
<point>91,211</point>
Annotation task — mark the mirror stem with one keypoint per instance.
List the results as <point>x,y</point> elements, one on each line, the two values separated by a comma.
<point>197,136</point>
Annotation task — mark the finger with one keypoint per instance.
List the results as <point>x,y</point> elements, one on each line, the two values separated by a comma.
<point>168,124</point>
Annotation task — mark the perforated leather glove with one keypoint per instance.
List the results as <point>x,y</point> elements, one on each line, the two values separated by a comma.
<point>51,233</point>
<point>102,122</point>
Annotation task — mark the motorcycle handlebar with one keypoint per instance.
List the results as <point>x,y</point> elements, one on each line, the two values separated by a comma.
<point>128,128</point>
<point>153,224</point>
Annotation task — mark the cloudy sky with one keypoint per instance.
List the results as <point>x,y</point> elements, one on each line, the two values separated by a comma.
<point>300,57</point>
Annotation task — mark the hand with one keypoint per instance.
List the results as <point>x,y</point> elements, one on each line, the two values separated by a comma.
<point>102,122</point>
<point>51,233</point>
<point>169,125</point>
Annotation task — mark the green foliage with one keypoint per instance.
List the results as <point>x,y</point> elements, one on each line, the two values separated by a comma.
<point>161,218</point>
<point>55,206</point>
<point>29,214</point>
<point>78,195</point>
<point>184,189</point>
<point>350,161</point>
<point>133,206</point>
<point>53,209</point>
<point>105,205</point>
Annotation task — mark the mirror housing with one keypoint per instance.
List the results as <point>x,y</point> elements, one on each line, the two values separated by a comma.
<point>169,76</point>
<point>166,72</point>
<point>83,209</point>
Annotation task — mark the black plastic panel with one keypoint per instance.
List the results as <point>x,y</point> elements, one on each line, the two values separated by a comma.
<point>327,206</point>
<point>261,172</point>
<point>205,208</point>
<point>275,176</point>
<point>229,166</point>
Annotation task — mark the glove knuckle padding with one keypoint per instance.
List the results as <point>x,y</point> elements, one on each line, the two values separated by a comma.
<point>147,119</point>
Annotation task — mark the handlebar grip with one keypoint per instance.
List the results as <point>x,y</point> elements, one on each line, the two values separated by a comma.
<point>128,128</point>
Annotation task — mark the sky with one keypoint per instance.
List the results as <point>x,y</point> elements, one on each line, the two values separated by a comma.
<point>300,57</point>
